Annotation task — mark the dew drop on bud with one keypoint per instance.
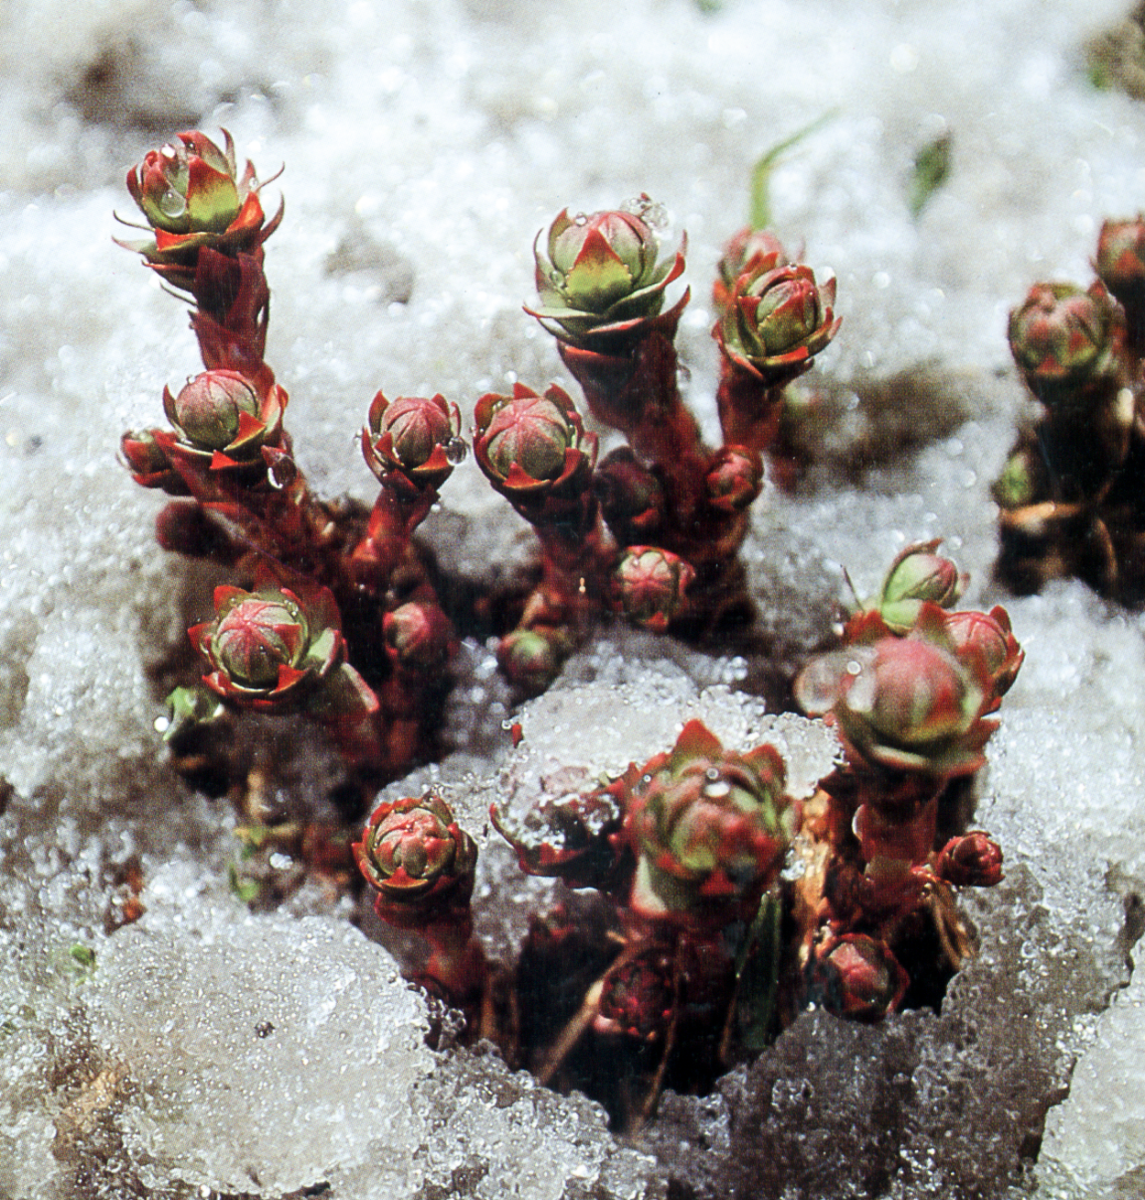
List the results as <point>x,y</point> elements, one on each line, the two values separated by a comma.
<point>456,450</point>
<point>171,204</point>
<point>580,219</point>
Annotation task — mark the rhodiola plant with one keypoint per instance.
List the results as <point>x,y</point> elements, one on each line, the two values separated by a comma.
<point>705,907</point>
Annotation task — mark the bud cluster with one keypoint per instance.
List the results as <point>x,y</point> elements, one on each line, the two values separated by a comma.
<point>1070,494</point>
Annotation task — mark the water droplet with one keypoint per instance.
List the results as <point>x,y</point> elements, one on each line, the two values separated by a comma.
<point>282,472</point>
<point>712,773</point>
<point>171,204</point>
<point>456,450</point>
<point>580,219</point>
<point>717,790</point>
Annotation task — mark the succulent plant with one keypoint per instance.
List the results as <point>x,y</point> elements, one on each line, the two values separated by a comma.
<point>776,320</point>
<point>192,196</point>
<point>280,649</point>
<point>709,827</point>
<point>599,275</point>
<point>1064,337</point>
<point>412,436</point>
<point>650,586</point>
<point>534,450</point>
<point>417,858</point>
<point>223,420</point>
<point>918,575</point>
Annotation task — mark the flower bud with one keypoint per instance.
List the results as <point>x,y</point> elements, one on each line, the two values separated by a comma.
<point>417,858</point>
<point>208,411</point>
<point>256,637</point>
<point>187,187</point>
<point>600,259</point>
<point>904,703</point>
<point>649,586</point>
<point>777,320</point>
<point>531,660</point>
<point>916,576</point>
<point>709,827</point>
<point>857,977</point>
<point>149,463</point>
<point>971,861</point>
<point>531,433</point>
<point>599,274</point>
<point>418,635</point>
<point>280,648</point>
<point>636,996</point>
<point>1063,338</point>
<point>1120,259</point>
<point>750,250</point>
<point>631,496</point>
<point>534,451</point>
<point>988,637</point>
<point>734,479</point>
<point>414,435</point>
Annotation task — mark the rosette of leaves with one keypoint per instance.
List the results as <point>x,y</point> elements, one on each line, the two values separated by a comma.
<point>418,859</point>
<point>776,320</point>
<point>535,452</point>
<point>908,703</point>
<point>280,649</point>
<point>406,442</point>
<point>193,197</point>
<point>599,277</point>
<point>709,828</point>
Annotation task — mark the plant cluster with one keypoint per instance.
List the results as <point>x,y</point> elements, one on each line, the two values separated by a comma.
<point>1070,494</point>
<point>684,940</point>
<point>340,615</point>
<point>698,945</point>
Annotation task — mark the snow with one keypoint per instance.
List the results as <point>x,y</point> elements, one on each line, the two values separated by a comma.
<point>425,142</point>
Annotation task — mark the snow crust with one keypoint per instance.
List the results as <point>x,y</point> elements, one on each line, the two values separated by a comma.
<point>425,142</point>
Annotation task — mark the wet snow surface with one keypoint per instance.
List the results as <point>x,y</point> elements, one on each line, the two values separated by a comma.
<point>212,1051</point>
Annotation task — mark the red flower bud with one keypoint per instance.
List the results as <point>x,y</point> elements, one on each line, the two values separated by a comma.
<point>417,858</point>
<point>857,977</point>
<point>1120,259</point>
<point>208,410</point>
<point>418,635</point>
<point>734,479</point>
<point>988,638</point>
<point>649,586</point>
<point>599,275</point>
<point>1063,338</point>
<point>412,435</point>
<point>636,996</point>
<point>776,321</point>
<point>531,659</point>
<point>971,861</point>
<point>749,251</point>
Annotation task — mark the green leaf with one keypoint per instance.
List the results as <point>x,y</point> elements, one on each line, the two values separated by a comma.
<point>757,973</point>
<point>759,212</point>
<point>931,167</point>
